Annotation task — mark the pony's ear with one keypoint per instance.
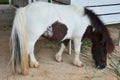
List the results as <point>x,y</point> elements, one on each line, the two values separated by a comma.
<point>109,45</point>
<point>88,32</point>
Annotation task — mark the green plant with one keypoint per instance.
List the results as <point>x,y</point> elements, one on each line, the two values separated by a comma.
<point>86,46</point>
<point>114,65</point>
<point>4,1</point>
<point>49,1</point>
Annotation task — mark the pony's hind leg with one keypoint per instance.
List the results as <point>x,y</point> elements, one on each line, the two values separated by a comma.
<point>77,46</point>
<point>33,62</point>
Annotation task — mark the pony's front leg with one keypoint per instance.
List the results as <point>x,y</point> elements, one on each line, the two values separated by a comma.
<point>77,47</point>
<point>58,56</point>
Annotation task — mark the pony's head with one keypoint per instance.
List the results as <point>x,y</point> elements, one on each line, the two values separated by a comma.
<point>99,52</point>
<point>99,55</point>
<point>101,40</point>
<point>100,46</point>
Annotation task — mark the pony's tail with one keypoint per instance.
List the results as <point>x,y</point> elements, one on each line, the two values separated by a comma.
<point>19,44</point>
<point>101,29</point>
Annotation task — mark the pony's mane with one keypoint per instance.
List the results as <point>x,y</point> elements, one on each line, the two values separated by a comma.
<point>96,22</point>
<point>101,29</point>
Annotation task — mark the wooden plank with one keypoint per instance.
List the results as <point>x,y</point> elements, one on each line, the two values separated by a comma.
<point>107,10</point>
<point>6,15</point>
<point>63,1</point>
<point>30,1</point>
<point>119,39</point>
<point>111,19</point>
<point>94,2</point>
<point>19,3</point>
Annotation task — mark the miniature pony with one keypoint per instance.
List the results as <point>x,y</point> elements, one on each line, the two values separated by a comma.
<point>58,23</point>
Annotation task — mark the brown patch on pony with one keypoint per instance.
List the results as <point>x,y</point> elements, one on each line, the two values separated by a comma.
<point>59,30</point>
<point>66,41</point>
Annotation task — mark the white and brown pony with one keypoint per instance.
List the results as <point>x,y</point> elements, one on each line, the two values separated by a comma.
<point>57,23</point>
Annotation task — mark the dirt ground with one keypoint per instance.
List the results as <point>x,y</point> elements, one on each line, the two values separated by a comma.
<point>50,69</point>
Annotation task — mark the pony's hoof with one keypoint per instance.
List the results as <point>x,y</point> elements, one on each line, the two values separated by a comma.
<point>25,72</point>
<point>78,63</point>
<point>35,64</point>
<point>20,70</point>
<point>58,58</point>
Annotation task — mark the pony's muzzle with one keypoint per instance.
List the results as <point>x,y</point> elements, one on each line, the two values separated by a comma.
<point>101,66</point>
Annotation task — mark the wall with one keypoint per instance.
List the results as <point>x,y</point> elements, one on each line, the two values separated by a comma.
<point>107,10</point>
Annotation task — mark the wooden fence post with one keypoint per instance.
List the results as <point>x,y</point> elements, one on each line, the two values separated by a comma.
<point>19,3</point>
<point>119,39</point>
